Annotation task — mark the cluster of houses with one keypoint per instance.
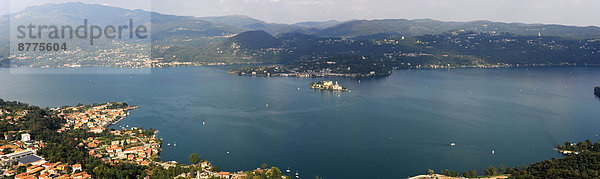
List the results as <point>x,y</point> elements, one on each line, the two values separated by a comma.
<point>132,146</point>
<point>23,153</point>
<point>49,170</point>
<point>12,117</point>
<point>207,173</point>
<point>94,118</point>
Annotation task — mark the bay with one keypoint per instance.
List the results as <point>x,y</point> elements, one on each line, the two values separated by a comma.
<point>391,127</point>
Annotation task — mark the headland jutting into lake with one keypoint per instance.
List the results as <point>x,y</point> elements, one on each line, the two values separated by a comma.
<point>96,151</point>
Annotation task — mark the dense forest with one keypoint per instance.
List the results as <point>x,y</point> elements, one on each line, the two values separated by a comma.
<point>583,165</point>
<point>454,48</point>
<point>361,66</point>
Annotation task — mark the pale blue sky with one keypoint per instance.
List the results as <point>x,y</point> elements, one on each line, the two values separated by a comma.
<point>569,12</point>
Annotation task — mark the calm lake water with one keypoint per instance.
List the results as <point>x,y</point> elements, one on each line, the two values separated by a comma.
<point>391,127</point>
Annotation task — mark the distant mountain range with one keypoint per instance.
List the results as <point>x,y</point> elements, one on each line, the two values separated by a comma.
<point>211,26</point>
<point>189,36</point>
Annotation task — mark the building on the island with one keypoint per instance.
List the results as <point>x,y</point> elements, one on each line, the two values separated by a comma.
<point>25,137</point>
<point>337,86</point>
<point>329,85</point>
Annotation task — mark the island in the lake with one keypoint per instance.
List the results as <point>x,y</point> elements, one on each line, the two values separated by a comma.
<point>597,91</point>
<point>328,85</point>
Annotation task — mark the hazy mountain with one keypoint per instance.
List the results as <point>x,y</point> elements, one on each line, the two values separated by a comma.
<point>428,26</point>
<point>250,24</point>
<point>4,36</point>
<point>187,27</point>
<point>255,40</point>
<point>234,20</point>
<point>318,25</point>
<point>162,25</point>
<point>189,38</point>
<point>75,12</point>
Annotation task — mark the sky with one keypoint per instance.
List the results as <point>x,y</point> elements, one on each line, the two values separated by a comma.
<point>566,12</point>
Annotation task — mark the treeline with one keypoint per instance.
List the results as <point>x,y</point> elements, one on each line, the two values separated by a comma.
<point>489,171</point>
<point>585,146</point>
<point>583,165</point>
<point>159,172</point>
<point>347,64</point>
<point>342,64</point>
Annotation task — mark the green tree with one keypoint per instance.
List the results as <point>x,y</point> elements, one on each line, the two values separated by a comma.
<point>264,165</point>
<point>275,173</point>
<point>215,169</point>
<point>491,171</point>
<point>194,158</point>
<point>21,169</point>
<point>472,173</point>
<point>430,171</point>
<point>465,174</point>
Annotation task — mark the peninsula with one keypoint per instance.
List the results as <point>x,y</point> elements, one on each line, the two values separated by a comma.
<point>75,142</point>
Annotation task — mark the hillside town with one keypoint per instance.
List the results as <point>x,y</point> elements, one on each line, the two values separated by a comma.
<point>19,159</point>
<point>21,156</point>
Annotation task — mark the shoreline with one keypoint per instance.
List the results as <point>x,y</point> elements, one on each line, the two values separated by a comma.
<point>231,65</point>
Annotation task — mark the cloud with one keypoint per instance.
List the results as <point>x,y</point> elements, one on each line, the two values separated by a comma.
<point>306,3</point>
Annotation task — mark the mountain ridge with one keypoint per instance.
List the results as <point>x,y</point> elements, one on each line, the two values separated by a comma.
<point>335,28</point>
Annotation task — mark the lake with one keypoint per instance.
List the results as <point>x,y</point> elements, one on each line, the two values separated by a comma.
<point>391,127</point>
